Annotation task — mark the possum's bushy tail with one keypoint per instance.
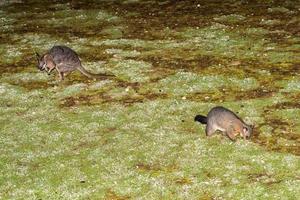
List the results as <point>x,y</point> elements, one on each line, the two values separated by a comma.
<point>200,118</point>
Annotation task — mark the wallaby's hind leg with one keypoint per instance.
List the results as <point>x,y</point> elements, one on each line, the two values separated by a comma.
<point>209,130</point>
<point>66,74</point>
<point>50,70</point>
<point>61,76</point>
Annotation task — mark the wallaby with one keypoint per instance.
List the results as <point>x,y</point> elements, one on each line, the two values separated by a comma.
<point>64,60</point>
<point>222,119</point>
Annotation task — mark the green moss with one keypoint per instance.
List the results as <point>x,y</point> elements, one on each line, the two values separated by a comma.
<point>278,10</point>
<point>6,22</point>
<point>270,22</point>
<point>112,32</point>
<point>80,17</point>
<point>123,53</point>
<point>233,18</point>
<point>38,41</point>
<point>183,83</point>
<point>256,31</point>
<point>222,42</point>
<point>25,77</point>
<point>130,70</point>
<point>71,90</point>
<point>281,57</point>
<point>134,136</point>
<point>291,85</point>
<point>10,54</point>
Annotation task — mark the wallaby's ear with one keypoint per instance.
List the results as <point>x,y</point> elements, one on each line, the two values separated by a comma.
<point>37,56</point>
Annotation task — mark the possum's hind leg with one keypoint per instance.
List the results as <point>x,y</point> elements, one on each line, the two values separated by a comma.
<point>230,132</point>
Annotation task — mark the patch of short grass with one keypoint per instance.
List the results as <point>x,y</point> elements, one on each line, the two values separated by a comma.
<point>184,83</point>
<point>134,136</point>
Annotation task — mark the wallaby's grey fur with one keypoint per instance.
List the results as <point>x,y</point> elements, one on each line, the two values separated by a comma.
<point>64,60</point>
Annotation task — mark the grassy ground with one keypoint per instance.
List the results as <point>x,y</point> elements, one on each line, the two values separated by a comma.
<point>133,137</point>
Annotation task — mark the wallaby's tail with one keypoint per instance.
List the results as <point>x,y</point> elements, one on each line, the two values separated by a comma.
<point>200,118</point>
<point>91,75</point>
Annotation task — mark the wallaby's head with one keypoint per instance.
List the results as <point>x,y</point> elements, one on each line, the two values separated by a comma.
<point>41,64</point>
<point>45,62</point>
<point>247,131</point>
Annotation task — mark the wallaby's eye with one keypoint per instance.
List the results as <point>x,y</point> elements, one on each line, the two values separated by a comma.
<point>41,65</point>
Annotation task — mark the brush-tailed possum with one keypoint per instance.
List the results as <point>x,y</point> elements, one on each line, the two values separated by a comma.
<point>64,60</point>
<point>222,119</point>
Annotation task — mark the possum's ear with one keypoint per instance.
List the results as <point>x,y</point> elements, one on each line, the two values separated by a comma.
<point>247,130</point>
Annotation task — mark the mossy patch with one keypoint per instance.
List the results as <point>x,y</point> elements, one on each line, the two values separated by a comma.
<point>10,54</point>
<point>6,22</point>
<point>80,17</point>
<point>271,22</point>
<point>184,83</point>
<point>133,136</point>
<point>130,70</point>
<point>279,10</point>
<point>233,18</point>
<point>123,53</point>
<point>112,32</point>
